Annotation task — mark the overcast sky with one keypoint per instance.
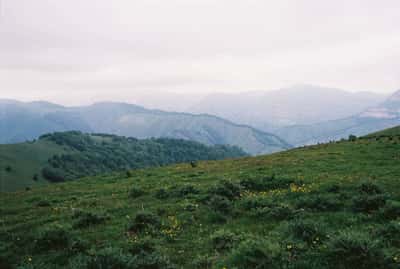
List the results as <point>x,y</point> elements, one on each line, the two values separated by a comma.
<point>80,51</point>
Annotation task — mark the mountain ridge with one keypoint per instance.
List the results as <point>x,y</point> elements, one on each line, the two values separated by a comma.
<point>132,120</point>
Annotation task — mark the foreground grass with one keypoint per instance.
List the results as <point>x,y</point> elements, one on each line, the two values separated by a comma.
<point>327,206</point>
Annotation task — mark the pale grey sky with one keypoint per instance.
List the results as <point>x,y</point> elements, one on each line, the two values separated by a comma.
<point>74,51</point>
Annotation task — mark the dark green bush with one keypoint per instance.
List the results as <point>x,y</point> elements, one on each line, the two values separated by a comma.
<point>368,203</point>
<point>227,189</point>
<point>273,212</point>
<point>53,174</point>
<point>255,254</point>
<point>369,188</point>
<point>162,194</point>
<point>249,203</point>
<point>109,258</point>
<point>220,204</point>
<point>186,190</point>
<point>144,221</point>
<point>85,219</point>
<point>390,211</point>
<point>319,202</point>
<point>389,233</point>
<point>143,245</point>
<point>43,203</point>
<point>53,238</point>
<point>266,183</point>
<point>354,250</point>
<point>136,192</point>
<point>223,240</point>
<point>308,231</point>
<point>352,138</point>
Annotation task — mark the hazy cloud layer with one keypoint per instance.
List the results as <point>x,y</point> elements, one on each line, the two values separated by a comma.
<point>81,51</point>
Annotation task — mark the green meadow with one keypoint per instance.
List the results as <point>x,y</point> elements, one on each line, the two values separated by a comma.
<point>334,205</point>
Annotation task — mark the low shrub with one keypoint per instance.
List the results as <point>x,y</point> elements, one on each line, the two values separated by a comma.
<point>186,190</point>
<point>53,238</point>
<point>162,194</point>
<point>53,174</point>
<point>275,212</point>
<point>390,211</point>
<point>306,230</point>
<point>249,203</point>
<point>144,221</point>
<point>136,192</point>
<point>223,240</point>
<point>370,188</point>
<point>202,262</point>
<point>389,233</point>
<point>108,258</point>
<point>43,203</point>
<point>266,183</point>
<point>85,219</point>
<point>319,202</point>
<point>143,245</point>
<point>220,204</point>
<point>255,254</point>
<point>227,189</point>
<point>365,203</point>
<point>354,250</point>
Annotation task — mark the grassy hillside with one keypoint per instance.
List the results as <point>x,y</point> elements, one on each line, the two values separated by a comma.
<point>334,205</point>
<point>70,155</point>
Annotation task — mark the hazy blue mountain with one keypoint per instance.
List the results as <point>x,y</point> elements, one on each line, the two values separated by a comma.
<point>303,104</point>
<point>24,121</point>
<point>384,115</point>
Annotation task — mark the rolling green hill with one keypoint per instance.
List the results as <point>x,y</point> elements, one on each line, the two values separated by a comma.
<point>333,205</point>
<point>70,155</point>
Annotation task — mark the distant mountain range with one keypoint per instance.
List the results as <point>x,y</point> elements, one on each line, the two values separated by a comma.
<point>384,115</point>
<point>25,121</point>
<point>303,104</point>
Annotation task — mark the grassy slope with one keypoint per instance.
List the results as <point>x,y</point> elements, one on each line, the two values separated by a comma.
<point>25,159</point>
<point>344,163</point>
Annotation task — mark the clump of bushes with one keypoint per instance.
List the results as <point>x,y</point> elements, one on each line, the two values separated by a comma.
<point>227,189</point>
<point>306,230</point>
<point>116,258</point>
<point>319,202</point>
<point>43,203</point>
<point>54,238</point>
<point>390,211</point>
<point>8,168</point>
<point>250,203</point>
<point>369,188</point>
<point>186,190</point>
<point>53,174</point>
<point>144,221</point>
<point>162,194</point>
<point>220,204</point>
<point>276,212</point>
<point>355,250</point>
<point>266,183</point>
<point>390,233</point>
<point>368,203</point>
<point>136,192</point>
<point>255,254</point>
<point>223,240</point>
<point>85,219</point>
